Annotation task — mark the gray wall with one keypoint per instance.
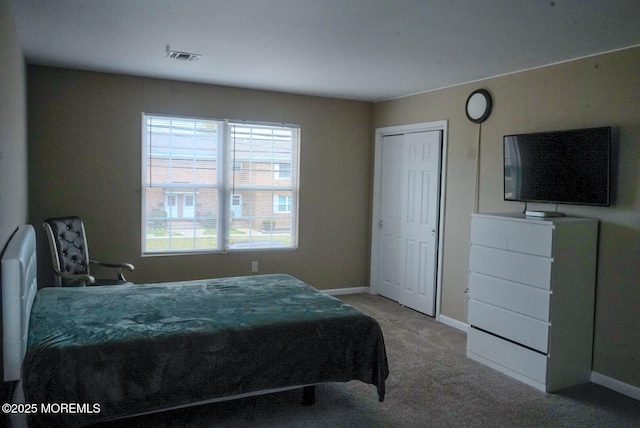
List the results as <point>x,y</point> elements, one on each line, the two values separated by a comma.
<point>13,135</point>
<point>13,130</point>
<point>85,148</point>
<point>599,91</point>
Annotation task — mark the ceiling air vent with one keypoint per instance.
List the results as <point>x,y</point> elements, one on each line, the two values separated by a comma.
<point>183,56</point>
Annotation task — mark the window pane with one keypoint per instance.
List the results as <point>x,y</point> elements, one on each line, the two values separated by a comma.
<point>262,151</point>
<point>261,224</point>
<point>181,221</point>
<point>181,151</point>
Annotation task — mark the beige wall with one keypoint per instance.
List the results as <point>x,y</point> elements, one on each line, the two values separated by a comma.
<point>598,91</point>
<point>85,148</point>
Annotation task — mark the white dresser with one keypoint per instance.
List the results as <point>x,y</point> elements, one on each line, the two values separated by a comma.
<point>531,307</point>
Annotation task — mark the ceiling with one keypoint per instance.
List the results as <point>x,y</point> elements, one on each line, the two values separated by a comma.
<point>367,50</point>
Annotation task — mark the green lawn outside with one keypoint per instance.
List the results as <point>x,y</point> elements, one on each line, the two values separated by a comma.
<point>202,243</point>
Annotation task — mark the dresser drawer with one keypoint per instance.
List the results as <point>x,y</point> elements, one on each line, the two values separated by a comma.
<point>522,237</point>
<point>521,329</point>
<point>506,354</point>
<point>526,300</point>
<point>489,233</point>
<point>516,267</point>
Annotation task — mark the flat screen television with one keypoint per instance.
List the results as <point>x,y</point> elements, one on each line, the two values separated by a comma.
<point>562,167</point>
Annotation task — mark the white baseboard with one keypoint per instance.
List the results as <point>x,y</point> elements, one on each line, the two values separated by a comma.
<point>616,385</point>
<point>342,291</point>
<point>453,323</point>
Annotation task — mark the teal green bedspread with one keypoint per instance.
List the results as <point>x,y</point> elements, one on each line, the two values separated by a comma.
<point>141,348</point>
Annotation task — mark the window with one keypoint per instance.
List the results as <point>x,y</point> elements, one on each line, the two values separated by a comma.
<point>283,171</point>
<point>282,204</point>
<point>237,166</point>
<point>216,185</point>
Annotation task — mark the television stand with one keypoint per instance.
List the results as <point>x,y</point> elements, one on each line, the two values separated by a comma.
<point>531,213</point>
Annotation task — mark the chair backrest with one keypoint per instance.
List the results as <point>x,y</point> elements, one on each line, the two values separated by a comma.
<point>68,242</point>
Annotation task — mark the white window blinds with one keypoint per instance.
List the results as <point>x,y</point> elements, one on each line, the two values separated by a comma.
<point>213,185</point>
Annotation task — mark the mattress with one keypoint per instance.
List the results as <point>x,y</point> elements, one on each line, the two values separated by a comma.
<point>131,349</point>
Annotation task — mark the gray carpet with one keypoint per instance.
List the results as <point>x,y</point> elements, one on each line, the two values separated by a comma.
<point>431,384</point>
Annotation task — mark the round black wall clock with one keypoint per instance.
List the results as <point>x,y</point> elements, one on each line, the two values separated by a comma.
<point>478,107</point>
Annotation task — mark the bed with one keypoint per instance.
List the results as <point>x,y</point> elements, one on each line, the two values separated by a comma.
<point>124,350</point>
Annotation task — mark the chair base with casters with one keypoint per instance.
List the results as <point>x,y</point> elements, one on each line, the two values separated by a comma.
<point>70,255</point>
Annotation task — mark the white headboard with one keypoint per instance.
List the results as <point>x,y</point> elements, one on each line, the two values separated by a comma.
<point>19,287</point>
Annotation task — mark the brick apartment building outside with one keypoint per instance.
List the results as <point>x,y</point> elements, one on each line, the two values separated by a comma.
<point>184,183</point>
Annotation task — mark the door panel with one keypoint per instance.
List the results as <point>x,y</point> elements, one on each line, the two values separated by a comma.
<point>188,207</point>
<point>236,206</point>
<point>391,218</point>
<point>409,213</point>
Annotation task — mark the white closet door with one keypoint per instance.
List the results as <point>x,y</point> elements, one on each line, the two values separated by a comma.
<point>409,218</point>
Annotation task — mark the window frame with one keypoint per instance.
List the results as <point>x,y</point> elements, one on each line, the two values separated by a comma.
<point>226,165</point>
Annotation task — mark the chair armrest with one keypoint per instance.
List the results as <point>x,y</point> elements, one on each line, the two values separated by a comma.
<point>127,266</point>
<point>120,266</point>
<point>82,277</point>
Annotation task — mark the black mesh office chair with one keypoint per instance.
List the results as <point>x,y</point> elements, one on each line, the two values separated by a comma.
<point>70,255</point>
